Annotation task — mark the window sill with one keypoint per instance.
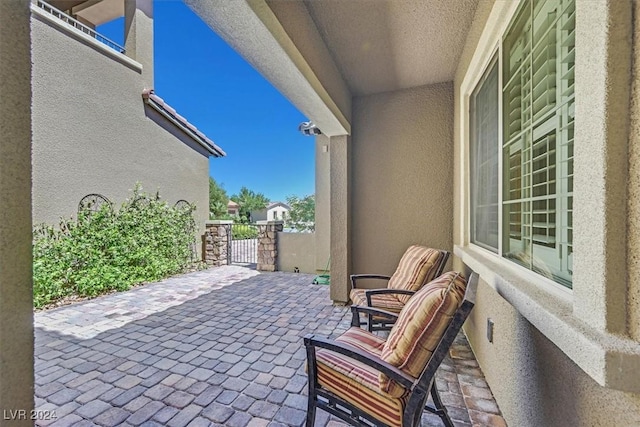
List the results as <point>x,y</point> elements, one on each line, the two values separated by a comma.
<point>613,361</point>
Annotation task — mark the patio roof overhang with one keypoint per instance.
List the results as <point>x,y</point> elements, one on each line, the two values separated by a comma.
<point>96,12</point>
<point>322,53</point>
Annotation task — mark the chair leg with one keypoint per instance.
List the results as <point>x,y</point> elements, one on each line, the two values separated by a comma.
<point>441,410</point>
<point>311,412</point>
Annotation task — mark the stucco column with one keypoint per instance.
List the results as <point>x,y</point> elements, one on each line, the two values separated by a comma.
<point>633,201</point>
<point>16,299</point>
<point>323,203</point>
<point>339,181</point>
<point>138,35</point>
<point>216,242</point>
<point>603,29</point>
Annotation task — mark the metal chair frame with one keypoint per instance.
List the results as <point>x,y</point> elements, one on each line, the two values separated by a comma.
<point>378,323</point>
<point>418,389</point>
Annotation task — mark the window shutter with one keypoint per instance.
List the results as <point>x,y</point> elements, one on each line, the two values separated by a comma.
<point>538,117</point>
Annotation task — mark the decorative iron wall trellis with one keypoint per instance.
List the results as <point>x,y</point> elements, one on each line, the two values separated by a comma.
<point>93,203</point>
<point>141,202</point>
<point>243,248</point>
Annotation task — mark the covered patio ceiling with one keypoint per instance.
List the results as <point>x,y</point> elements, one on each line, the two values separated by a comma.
<point>321,53</point>
<point>381,46</point>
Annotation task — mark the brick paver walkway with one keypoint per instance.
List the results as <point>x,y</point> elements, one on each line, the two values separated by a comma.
<point>216,347</point>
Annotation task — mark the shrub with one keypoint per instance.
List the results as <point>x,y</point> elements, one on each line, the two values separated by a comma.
<point>302,214</point>
<point>145,240</point>
<point>244,231</point>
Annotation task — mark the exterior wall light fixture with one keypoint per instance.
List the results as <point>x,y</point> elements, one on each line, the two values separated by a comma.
<point>309,128</point>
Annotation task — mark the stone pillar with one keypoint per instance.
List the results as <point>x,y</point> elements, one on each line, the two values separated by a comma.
<point>268,244</point>
<point>216,242</point>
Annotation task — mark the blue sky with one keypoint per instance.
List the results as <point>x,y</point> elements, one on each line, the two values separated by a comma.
<point>216,90</point>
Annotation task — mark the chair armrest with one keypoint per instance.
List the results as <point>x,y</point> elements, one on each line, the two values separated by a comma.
<point>355,277</point>
<point>311,341</point>
<point>357,309</point>
<point>371,292</point>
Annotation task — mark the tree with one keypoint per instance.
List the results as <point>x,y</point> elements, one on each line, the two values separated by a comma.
<point>249,201</point>
<point>303,212</point>
<point>218,199</point>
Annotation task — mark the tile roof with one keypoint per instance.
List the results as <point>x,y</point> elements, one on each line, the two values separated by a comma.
<point>157,103</point>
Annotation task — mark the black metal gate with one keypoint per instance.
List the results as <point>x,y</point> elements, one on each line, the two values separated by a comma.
<point>244,244</point>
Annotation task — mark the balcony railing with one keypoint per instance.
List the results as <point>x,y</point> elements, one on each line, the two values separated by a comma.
<point>80,26</point>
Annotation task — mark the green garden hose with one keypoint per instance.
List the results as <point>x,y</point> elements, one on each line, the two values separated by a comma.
<point>324,278</point>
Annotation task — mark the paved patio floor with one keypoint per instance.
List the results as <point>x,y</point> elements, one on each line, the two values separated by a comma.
<point>216,347</point>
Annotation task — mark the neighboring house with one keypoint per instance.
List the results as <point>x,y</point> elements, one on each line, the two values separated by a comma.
<point>528,170</point>
<point>275,211</point>
<point>233,208</point>
<point>116,131</point>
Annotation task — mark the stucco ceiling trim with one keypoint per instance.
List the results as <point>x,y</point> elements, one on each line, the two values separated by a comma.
<point>251,29</point>
<point>265,13</point>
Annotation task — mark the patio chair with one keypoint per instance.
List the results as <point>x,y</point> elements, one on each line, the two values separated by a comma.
<point>366,380</point>
<point>418,265</point>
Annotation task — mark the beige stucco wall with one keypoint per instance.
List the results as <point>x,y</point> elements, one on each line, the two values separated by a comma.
<point>402,159</point>
<point>323,211</point>
<point>601,134</point>
<point>296,250</point>
<point>633,202</point>
<point>16,306</point>
<point>93,134</point>
<point>533,381</point>
<point>310,251</point>
<point>541,364</point>
<point>138,27</point>
<point>340,214</point>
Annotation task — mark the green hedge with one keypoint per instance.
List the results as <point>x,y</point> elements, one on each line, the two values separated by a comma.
<point>243,231</point>
<point>145,240</point>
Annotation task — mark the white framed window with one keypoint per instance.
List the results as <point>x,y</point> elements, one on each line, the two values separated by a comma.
<point>536,84</point>
<point>484,153</point>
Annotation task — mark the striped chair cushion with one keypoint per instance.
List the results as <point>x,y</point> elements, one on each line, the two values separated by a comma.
<point>420,326</point>
<point>387,302</point>
<point>417,266</point>
<point>356,382</point>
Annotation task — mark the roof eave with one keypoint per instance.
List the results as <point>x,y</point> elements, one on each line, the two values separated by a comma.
<point>158,104</point>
